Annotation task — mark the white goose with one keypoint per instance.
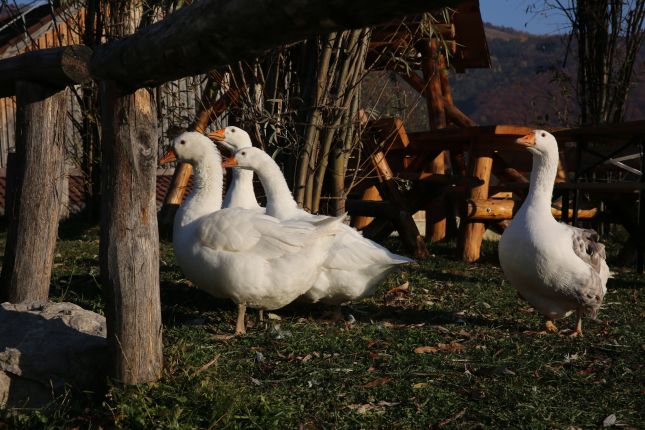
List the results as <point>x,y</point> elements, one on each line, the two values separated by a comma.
<point>355,265</point>
<point>251,258</point>
<point>555,267</point>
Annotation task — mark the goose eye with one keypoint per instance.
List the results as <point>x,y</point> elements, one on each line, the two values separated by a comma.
<point>183,142</point>
<point>543,134</point>
<point>243,153</point>
<point>232,130</point>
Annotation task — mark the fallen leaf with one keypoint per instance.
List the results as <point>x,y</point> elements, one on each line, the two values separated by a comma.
<point>222,337</point>
<point>504,371</point>
<point>609,421</point>
<point>361,409</point>
<point>403,288</point>
<point>425,349</point>
<point>207,365</point>
<point>453,418</point>
<point>419,385</point>
<point>274,317</point>
<point>588,371</point>
<point>256,381</point>
<point>388,404</point>
<point>377,382</point>
<point>451,347</point>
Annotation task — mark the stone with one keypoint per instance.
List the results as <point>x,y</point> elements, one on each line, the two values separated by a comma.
<point>46,348</point>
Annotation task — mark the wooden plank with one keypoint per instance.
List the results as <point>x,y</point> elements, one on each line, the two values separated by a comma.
<point>592,187</point>
<point>56,67</point>
<point>471,38</point>
<point>389,133</point>
<point>611,131</point>
<point>33,226</point>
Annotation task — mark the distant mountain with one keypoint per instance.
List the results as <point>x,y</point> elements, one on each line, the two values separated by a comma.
<point>525,83</point>
<point>521,87</point>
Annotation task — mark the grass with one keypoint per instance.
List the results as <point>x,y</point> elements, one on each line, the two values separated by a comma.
<point>484,368</point>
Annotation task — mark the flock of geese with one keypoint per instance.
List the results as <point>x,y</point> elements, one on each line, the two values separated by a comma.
<point>265,258</point>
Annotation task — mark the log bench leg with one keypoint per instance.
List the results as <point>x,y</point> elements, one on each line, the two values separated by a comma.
<point>360,222</point>
<point>473,232</point>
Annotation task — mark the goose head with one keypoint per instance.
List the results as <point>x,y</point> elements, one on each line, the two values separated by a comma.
<point>190,147</point>
<point>539,142</point>
<point>247,158</point>
<point>232,138</point>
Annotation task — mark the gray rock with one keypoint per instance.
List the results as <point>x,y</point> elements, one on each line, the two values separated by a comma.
<point>46,347</point>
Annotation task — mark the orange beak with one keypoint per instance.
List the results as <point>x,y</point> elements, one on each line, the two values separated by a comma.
<point>527,141</point>
<point>229,162</point>
<point>217,135</point>
<point>168,157</point>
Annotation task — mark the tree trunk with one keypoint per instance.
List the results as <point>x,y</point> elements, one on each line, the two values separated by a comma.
<point>129,250</point>
<point>33,225</point>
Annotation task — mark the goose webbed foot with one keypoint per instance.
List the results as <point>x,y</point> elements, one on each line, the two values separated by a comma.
<point>550,327</point>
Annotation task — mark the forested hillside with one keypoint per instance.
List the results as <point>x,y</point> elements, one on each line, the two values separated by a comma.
<point>526,85</point>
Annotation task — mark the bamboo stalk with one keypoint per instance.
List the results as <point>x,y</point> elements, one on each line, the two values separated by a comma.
<point>351,68</point>
<point>304,183</point>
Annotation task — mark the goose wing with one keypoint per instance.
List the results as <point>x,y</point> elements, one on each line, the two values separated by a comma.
<point>248,231</point>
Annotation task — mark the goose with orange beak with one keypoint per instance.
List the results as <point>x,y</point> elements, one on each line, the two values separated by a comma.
<point>240,192</point>
<point>355,265</point>
<point>558,269</point>
<point>253,259</point>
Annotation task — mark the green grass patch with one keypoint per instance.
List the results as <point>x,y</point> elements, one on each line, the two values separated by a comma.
<point>483,368</point>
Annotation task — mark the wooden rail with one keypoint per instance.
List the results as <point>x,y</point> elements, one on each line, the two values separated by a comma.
<point>54,67</point>
<point>210,33</point>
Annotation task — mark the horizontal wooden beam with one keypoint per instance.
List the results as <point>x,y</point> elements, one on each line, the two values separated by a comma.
<point>54,67</point>
<point>372,208</point>
<point>607,131</point>
<point>501,209</point>
<point>596,187</point>
<point>210,33</point>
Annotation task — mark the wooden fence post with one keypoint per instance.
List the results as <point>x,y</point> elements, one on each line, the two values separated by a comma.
<point>129,250</point>
<point>40,170</point>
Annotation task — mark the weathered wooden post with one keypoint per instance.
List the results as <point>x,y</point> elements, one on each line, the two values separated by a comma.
<point>38,79</point>
<point>33,225</point>
<point>129,250</point>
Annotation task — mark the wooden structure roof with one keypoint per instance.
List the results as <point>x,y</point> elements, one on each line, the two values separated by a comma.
<point>461,30</point>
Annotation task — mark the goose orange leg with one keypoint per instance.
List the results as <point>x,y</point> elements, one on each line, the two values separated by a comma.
<point>578,330</point>
<point>240,327</point>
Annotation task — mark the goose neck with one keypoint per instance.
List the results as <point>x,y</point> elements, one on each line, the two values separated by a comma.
<point>206,196</point>
<point>280,202</point>
<point>543,175</point>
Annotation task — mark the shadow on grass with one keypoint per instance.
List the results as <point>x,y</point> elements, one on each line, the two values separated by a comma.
<point>77,227</point>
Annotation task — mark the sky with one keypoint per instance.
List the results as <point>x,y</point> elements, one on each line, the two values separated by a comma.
<point>513,13</point>
<point>507,13</point>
